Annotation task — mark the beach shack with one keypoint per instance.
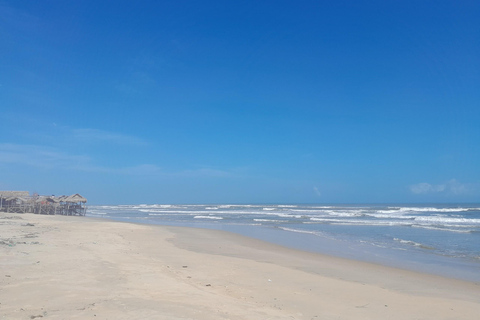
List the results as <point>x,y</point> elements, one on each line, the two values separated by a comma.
<point>15,201</point>
<point>22,202</point>
<point>45,205</point>
<point>74,205</point>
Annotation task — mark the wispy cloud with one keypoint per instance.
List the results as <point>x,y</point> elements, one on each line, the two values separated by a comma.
<point>36,130</point>
<point>317,192</point>
<point>39,156</point>
<point>53,158</point>
<point>152,170</point>
<point>96,135</point>
<point>450,187</point>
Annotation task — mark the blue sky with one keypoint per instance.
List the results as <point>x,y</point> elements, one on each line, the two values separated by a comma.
<point>241,101</point>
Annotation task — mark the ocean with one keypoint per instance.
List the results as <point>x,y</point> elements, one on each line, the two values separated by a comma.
<point>436,239</point>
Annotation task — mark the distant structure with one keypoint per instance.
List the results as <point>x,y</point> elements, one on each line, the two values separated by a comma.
<point>14,201</point>
<point>22,202</point>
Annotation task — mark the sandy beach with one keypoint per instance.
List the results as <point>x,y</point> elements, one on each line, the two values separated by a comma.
<point>58,267</point>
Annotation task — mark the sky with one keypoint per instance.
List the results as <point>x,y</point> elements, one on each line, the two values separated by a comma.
<point>130,102</point>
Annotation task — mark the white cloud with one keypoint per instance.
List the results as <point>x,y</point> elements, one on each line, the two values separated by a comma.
<point>53,158</point>
<point>152,170</point>
<point>424,187</point>
<point>39,156</point>
<point>458,188</point>
<point>450,187</point>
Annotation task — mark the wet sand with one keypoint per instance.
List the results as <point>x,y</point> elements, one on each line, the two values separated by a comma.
<point>58,267</point>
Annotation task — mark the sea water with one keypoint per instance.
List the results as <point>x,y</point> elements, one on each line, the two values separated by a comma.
<point>437,239</point>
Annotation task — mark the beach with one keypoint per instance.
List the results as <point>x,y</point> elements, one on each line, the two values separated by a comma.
<point>59,267</point>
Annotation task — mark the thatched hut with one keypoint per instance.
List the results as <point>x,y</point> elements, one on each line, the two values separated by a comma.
<point>15,201</point>
<point>46,205</point>
<point>76,198</point>
<point>21,202</point>
<point>73,205</point>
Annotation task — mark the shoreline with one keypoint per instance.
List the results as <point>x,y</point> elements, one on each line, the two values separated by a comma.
<point>443,266</point>
<point>81,267</point>
<point>442,239</point>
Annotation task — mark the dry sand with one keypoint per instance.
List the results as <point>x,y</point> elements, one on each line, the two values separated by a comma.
<point>57,267</point>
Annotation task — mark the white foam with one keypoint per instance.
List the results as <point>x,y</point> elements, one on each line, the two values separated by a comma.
<point>407,242</point>
<point>192,212</point>
<point>444,220</point>
<point>349,213</point>
<point>427,209</point>
<point>299,231</point>
<point>389,216</point>
<point>97,212</point>
<point>323,207</point>
<point>107,207</point>
<point>285,215</point>
<point>208,217</point>
<point>413,243</point>
<point>442,229</point>
<point>361,222</point>
<point>335,213</point>
<point>228,206</point>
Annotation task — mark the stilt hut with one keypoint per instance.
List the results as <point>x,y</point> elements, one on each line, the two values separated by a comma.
<point>73,205</point>
<point>46,205</point>
<point>21,202</point>
<point>15,201</point>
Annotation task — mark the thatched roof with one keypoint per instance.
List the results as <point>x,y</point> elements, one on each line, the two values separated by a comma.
<point>24,196</point>
<point>18,199</point>
<point>14,194</point>
<point>41,199</point>
<point>75,198</point>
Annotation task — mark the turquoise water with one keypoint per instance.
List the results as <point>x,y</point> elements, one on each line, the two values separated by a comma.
<point>438,239</point>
